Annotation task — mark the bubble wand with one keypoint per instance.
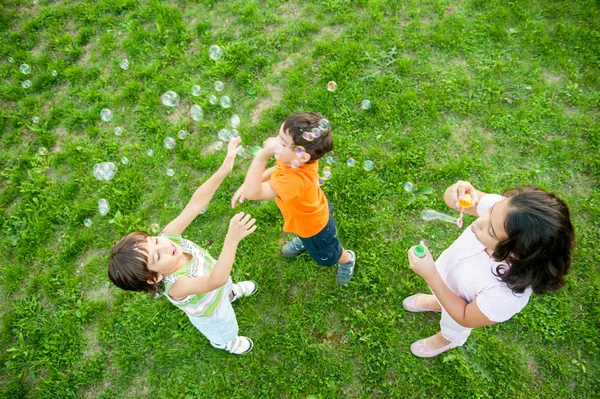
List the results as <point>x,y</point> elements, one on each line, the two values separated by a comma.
<point>464,203</point>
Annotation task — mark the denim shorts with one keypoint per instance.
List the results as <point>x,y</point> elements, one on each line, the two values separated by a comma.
<point>324,247</point>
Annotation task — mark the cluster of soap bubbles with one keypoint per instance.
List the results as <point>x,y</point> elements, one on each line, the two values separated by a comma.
<point>368,165</point>
<point>104,171</point>
<point>170,98</point>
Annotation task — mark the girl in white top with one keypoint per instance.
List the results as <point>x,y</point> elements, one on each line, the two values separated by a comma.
<point>520,244</point>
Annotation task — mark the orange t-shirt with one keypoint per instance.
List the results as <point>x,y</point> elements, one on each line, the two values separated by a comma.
<point>300,198</point>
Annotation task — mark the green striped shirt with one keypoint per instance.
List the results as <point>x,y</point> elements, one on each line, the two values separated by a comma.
<point>196,305</point>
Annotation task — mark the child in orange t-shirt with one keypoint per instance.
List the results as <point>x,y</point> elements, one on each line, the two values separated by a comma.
<point>303,138</point>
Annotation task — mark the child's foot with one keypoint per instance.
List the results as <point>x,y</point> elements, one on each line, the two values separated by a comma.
<point>293,248</point>
<point>242,289</point>
<point>238,346</point>
<point>432,346</point>
<point>421,303</point>
<point>346,270</point>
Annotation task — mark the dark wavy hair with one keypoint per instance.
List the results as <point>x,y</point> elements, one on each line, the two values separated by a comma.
<point>128,265</point>
<point>539,244</point>
<point>298,124</point>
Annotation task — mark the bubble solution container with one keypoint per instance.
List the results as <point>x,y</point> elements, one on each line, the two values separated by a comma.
<point>420,251</point>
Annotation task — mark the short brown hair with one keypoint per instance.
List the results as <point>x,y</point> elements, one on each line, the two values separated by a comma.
<point>128,265</point>
<point>299,124</point>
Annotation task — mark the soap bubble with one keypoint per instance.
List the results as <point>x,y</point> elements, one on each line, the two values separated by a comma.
<point>181,134</point>
<point>350,162</point>
<point>124,64</point>
<point>169,143</point>
<point>316,132</point>
<point>329,159</point>
<point>224,135</point>
<point>233,134</point>
<point>125,160</point>
<point>155,228</point>
<point>25,69</point>
<point>326,169</point>
<point>54,73</point>
<point>300,150</point>
<point>11,60</point>
<point>170,172</point>
<point>235,121</point>
<point>149,153</point>
<point>35,119</point>
<point>203,211</point>
<point>170,98</point>
<point>217,145</point>
<point>408,186</point>
<point>219,85</point>
<point>308,136</point>
<point>87,222</point>
<point>106,115</point>
<point>215,53</point>
<point>104,171</point>
<point>368,165</point>
<point>327,173</point>
<point>323,124</point>
<point>241,152</point>
<point>225,102</point>
<point>366,104</point>
<point>196,90</point>
<point>103,207</point>
<point>196,112</point>
<point>320,181</point>
<point>331,86</point>
<point>213,99</point>
<point>295,163</point>
<point>42,151</point>
<point>118,130</point>
<point>26,83</point>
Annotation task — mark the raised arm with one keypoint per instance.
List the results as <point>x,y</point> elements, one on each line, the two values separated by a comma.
<point>457,191</point>
<point>239,198</point>
<point>240,226</point>
<point>205,192</point>
<point>254,188</point>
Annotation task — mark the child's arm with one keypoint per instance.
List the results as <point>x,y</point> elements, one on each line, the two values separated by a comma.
<point>254,187</point>
<point>240,226</point>
<point>204,193</point>
<point>239,198</point>
<point>457,191</point>
<point>464,313</point>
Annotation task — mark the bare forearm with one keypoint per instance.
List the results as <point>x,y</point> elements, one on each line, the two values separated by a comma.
<point>222,270</point>
<point>254,177</point>
<point>452,303</point>
<point>266,176</point>
<point>206,191</point>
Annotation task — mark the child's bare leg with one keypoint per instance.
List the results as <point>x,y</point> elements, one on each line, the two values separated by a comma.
<point>345,258</point>
<point>429,302</point>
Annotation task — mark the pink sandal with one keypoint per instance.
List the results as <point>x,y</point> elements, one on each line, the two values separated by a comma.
<point>419,349</point>
<point>411,304</point>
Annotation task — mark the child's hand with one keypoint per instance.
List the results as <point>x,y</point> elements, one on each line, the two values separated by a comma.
<point>459,189</point>
<point>232,150</point>
<point>238,197</point>
<point>424,266</point>
<point>240,226</point>
<point>269,147</point>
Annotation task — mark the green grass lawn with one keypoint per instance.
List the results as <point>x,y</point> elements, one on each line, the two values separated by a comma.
<point>500,93</point>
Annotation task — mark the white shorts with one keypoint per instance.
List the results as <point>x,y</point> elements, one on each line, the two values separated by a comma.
<point>222,326</point>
